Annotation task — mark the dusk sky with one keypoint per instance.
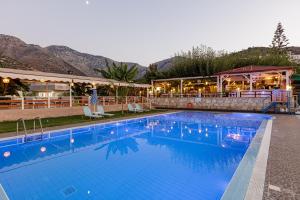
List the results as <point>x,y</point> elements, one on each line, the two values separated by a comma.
<point>146,31</point>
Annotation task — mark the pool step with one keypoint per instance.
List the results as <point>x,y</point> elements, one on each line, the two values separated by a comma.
<point>3,195</point>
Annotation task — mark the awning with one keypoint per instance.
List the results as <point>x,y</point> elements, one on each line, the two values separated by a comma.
<point>63,78</point>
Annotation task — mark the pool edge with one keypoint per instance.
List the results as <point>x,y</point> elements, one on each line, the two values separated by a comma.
<point>254,163</point>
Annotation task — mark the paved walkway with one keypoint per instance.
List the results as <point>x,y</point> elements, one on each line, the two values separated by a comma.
<point>283,170</point>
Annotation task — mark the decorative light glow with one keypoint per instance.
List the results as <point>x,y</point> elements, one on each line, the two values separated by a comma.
<point>87,2</point>
<point>43,149</point>
<point>200,131</point>
<point>6,154</point>
<point>72,140</point>
<point>6,80</point>
<point>206,134</point>
<point>112,132</point>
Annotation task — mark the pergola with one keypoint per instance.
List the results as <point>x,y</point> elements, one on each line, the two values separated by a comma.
<point>198,80</point>
<point>37,76</point>
<point>249,77</point>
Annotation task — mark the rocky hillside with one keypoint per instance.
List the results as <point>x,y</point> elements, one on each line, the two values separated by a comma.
<point>86,63</point>
<point>164,65</point>
<point>55,59</point>
<point>33,57</point>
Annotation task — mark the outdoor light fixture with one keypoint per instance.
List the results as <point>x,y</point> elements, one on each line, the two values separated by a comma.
<point>6,154</point>
<point>43,149</point>
<point>6,80</point>
<point>288,87</point>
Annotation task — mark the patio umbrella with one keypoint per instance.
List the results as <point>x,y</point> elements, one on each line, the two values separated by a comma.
<point>94,99</point>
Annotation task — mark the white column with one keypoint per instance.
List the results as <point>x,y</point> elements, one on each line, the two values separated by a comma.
<point>287,80</point>
<point>71,100</point>
<point>218,84</point>
<point>152,87</point>
<point>116,102</point>
<point>181,83</point>
<point>49,102</point>
<point>251,82</point>
<point>147,93</point>
<point>22,103</point>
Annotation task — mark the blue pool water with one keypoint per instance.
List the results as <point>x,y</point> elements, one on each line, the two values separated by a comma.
<point>185,155</point>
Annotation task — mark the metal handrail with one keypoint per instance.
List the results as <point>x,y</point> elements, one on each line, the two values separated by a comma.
<point>24,126</point>
<point>41,124</point>
<point>34,126</point>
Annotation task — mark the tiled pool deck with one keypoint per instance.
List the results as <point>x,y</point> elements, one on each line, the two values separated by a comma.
<point>283,168</point>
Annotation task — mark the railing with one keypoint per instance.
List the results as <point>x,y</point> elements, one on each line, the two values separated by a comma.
<point>60,102</point>
<point>274,95</point>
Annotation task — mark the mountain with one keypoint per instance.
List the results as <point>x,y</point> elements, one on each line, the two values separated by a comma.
<point>87,63</point>
<point>55,59</point>
<point>33,57</point>
<point>165,64</point>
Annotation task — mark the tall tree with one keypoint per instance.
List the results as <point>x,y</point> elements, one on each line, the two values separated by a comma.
<point>121,73</point>
<point>280,41</point>
<point>152,73</point>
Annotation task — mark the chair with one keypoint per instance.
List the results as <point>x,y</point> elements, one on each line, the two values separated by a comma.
<point>100,111</point>
<point>140,108</point>
<point>88,113</point>
<point>132,109</point>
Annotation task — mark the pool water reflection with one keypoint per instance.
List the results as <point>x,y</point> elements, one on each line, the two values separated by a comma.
<point>185,155</point>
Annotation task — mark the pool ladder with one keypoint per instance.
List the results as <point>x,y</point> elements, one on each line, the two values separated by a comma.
<point>21,120</point>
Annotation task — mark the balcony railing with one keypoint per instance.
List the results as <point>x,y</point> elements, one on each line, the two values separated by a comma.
<point>274,95</point>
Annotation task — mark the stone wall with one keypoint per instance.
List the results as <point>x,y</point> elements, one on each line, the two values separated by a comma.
<point>15,114</point>
<point>213,103</point>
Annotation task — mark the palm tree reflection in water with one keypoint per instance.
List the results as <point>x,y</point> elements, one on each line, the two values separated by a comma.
<point>123,146</point>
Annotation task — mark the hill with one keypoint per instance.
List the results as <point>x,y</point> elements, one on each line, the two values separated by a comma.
<point>55,59</point>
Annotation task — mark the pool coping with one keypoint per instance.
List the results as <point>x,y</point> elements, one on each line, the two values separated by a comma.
<point>249,178</point>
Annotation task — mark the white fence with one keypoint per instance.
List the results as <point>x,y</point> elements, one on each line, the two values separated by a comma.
<point>32,102</point>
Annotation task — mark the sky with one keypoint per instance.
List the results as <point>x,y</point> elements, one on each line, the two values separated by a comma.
<point>146,31</point>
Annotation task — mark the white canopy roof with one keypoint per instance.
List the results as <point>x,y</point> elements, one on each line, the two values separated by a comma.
<point>65,78</point>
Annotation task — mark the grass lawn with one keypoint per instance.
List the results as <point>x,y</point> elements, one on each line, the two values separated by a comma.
<point>10,126</point>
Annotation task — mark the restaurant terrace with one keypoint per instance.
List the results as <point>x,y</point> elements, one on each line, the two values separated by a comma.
<point>262,87</point>
<point>49,82</point>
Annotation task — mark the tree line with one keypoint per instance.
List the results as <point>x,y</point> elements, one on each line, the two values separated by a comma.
<point>204,61</point>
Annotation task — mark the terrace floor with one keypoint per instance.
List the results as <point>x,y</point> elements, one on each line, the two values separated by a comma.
<point>283,169</point>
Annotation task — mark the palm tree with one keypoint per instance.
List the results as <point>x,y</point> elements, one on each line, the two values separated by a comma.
<point>121,73</point>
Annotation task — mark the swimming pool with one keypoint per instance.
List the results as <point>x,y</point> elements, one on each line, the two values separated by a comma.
<point>183,155</point>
